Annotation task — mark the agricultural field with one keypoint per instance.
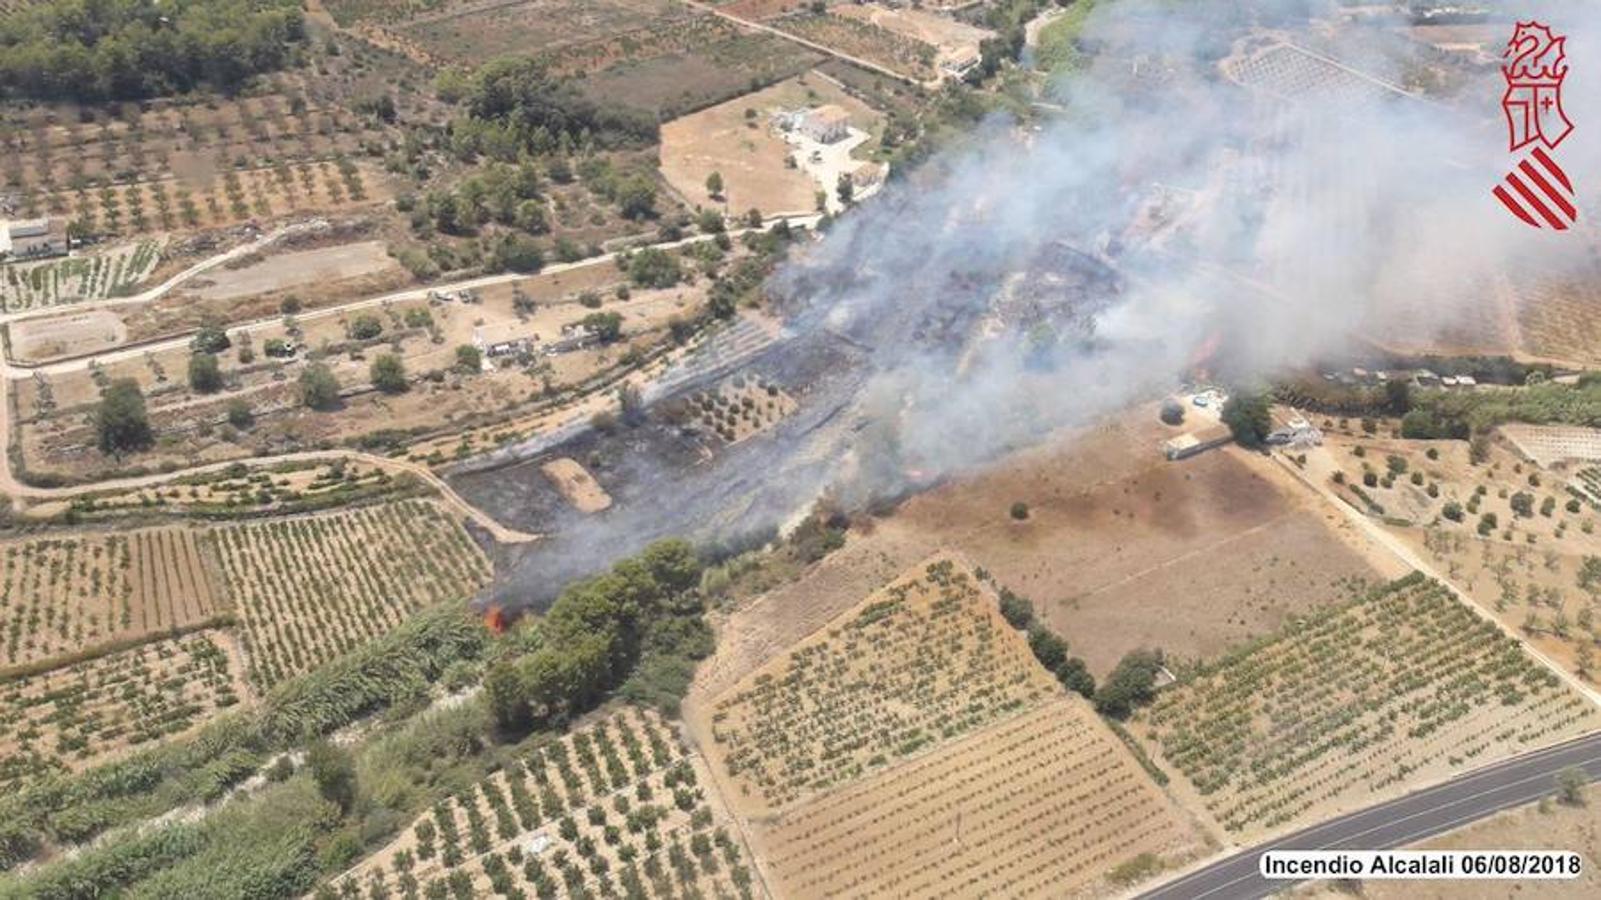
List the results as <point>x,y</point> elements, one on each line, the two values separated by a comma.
<point>1513,535</point>
<point>1425,688</point>
<point>94,276</point>
<point>704,62</point>
<point>248,493</point>
<point>55,411</point>
<point>309,589</point>
<point>40,340</point>
<point>740,407</point>
<point>864,40</point>
<point>64,594</point>
<point>617,804</point>
<point>473,32</point>
<point>1053,806</point>
<point>164,167</point>
<point>920,662</point>
<point>1559,314</point>
<point>73,717</point>
<point>914,743</point>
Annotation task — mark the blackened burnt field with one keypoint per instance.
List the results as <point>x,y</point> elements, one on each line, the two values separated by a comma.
<point>667,479</point>
<point>669,476</point>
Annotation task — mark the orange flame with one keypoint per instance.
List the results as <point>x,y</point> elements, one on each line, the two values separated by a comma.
<point>495,620</point>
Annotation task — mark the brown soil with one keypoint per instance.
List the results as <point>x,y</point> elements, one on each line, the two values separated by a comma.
<point>576,485</point>
<point>292,270</point>
<point>1044,804</point>
<point>78,334</point>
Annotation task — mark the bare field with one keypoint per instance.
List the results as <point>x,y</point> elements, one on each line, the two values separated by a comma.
<point>576,485</point>
<point>1123,549</point>
<point>1044,804</point>
<point>41,340</point>
<point>291,270</point>
<point>61,595</point>
<point>746,151</point>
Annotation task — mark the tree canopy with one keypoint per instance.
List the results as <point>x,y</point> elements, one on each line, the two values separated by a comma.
<point>97,50</point>
<point>644,610</point>
<point>1247,416</point>
<point>514,104</point>
<point>121,420</point>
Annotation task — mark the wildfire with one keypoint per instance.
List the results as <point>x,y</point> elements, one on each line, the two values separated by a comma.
<point>495,620</point>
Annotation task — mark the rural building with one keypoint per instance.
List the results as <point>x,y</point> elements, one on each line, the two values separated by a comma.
<point>868,174</point>
<point>958,62</point>
<point>509,348</point>
<point>826,124</point>
<point>37,238</point>
<point>1187,445</point>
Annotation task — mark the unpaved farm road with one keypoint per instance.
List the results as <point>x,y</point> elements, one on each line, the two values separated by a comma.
<point>10,487</point>
<point>1398,823</point>
<point>161,289</point>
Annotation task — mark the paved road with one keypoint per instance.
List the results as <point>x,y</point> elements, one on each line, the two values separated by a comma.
<point>1397,823</point>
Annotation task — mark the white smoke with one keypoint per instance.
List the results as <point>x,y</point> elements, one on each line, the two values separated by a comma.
<point>1315,206</point>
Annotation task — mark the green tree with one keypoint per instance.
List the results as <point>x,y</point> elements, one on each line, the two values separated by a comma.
<point>210,339</point>
<point>319,389</point>
<point>845,187</point>
<point>653,267</point>
<point>1017,611</point>
<point>518,253</point>
<point>714,185</point>
<point>1048,647</point>
<point>334,771</point>
<point>1571,783</point>
<point>608,326</point>
<point>365,327</point>
<point>469,359</point>
<point>121,420</point>
<point>1132,683</point>
<point>1248,418</point>
<point>240,414</point>
<point>205,375</point>
<point>1075,676</point>
<point>388,373</point>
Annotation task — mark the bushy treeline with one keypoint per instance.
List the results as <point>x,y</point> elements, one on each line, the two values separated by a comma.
<point>516,107</point>
<point>394,669</point>
<point>97,50</point>
<point>639,625</point>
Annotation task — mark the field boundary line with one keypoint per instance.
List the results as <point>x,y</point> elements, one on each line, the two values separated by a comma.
<point>1407,556</point>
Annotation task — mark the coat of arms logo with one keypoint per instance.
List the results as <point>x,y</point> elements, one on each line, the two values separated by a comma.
<point>1534,65</point>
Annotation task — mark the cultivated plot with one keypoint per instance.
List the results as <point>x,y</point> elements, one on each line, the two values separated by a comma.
<point>1044,804</point>
<point>74,717</point>
<point>922,661</point>
<point>60,595</point>
<point>1353,703</point>
<point>312,588</point>
<point>616,806</point>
